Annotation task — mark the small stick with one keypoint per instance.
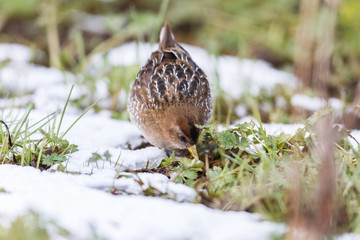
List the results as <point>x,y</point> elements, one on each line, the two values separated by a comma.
<point>9,137</point>
<point>207,171</point>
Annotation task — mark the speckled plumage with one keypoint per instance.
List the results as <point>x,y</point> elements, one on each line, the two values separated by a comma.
<point>170,96</point>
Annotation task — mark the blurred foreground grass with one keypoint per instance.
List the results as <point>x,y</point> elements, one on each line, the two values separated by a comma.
<point>31,226</point>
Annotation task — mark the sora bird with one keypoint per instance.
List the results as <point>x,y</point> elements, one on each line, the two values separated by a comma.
<point>170,96</point>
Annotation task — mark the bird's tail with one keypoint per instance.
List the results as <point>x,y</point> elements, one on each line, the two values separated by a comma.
<point>167,39</point>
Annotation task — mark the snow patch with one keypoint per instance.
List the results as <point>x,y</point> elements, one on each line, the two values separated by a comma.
<point>314,104</point>
<point>81,209</point>
<point>15,52</point>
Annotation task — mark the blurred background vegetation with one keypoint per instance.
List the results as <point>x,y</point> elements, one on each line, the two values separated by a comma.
<point>318,40</point>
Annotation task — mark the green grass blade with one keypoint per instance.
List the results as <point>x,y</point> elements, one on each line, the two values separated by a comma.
<point>63,112</point>
<point>62,136</point>
<point>26,116</point>
<point>33,125</point>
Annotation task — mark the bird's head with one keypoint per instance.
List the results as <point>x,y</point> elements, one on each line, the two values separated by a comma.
<point>182,134</point>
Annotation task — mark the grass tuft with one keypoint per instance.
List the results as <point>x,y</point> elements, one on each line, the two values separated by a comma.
<point>48,148</point>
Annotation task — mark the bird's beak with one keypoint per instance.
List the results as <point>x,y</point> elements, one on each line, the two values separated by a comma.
<point>193,152</point>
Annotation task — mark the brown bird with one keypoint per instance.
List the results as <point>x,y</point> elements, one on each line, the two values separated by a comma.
<point>170,96</point>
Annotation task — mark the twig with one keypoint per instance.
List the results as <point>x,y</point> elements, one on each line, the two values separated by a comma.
<point>9,137</point>
<point>207,170</point>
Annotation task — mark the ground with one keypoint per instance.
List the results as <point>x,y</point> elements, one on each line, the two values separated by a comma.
<point>92,194</point>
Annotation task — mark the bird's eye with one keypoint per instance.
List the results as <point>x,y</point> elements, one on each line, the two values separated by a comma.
<point>182,138</point>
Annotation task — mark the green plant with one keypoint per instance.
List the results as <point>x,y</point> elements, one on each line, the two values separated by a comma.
<point>244,168</point>
<point>183,170</point>
<point>106,156</point>
<point>19,147</point>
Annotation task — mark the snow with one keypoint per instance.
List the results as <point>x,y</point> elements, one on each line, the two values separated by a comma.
<point>277,128</point>
<point>79,200</point>
<point>79,204</point>
<point>105,134</point>
<point>91,23</point>
<point>356,135</point>
<point>348,236</point>
<point>15,52</point>
<point>241,110</point>
<point>315,103</point>
<point>274,129</point>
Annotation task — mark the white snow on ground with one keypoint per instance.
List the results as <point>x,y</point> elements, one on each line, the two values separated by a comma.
<point>314,104</point>
<point>273,128</point>
<point>348,236</point>
<point>15,52</point>
<point>91,23</point>
<point>240,110</point>
<point>47,88</point>
<point>356,135</point>
<point>277,128</point>
<point>98,134</point>
<point>75,204</point>
<point>80,203</point>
